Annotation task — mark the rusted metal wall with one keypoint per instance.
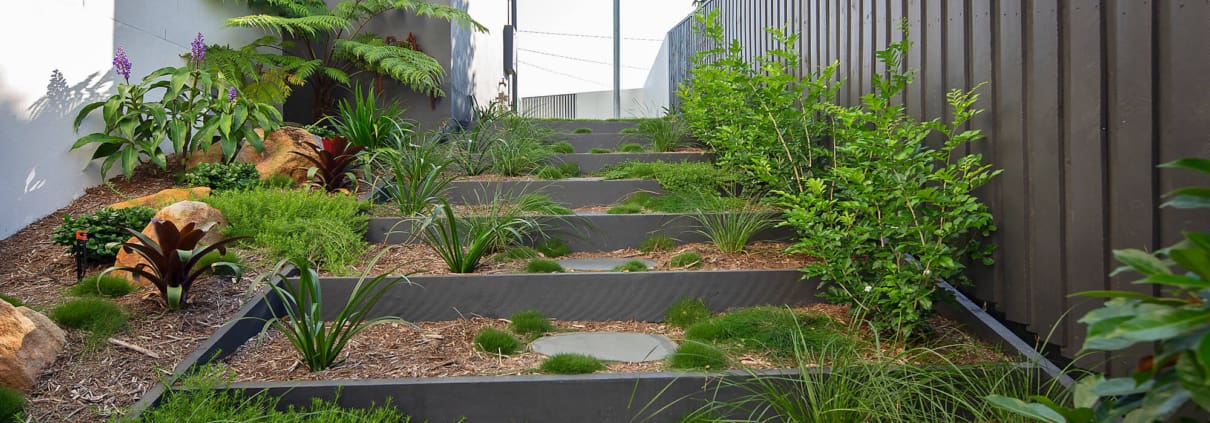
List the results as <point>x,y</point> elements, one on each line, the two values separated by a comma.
<point>1085,98</point>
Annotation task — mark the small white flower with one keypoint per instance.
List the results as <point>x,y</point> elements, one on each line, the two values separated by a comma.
<point>868,288</point>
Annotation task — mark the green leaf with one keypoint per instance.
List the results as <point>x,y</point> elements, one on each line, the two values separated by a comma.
<point>1141,261</point>
<point>1164,324</point>
<point>1193,260</point>
<point>1195,378</point>
<point>84,113</point>
<point>1179,281</point>
<point>105,150</point>
<point>1030,410</point>
<point>176,133</point>
<point>97,137</point>
<point>1082,395</point>
<point>1200,165</point>
<point>1198,239</point>
<point>1114,294</point>
<point>130,158</point>
<point>1188,202</point>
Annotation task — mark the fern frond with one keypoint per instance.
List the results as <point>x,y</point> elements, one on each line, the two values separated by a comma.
<point>436,10</point>
<point>287,8</point>
<point>414,69</point>
<point>336,74</point>
<point>307,26</point>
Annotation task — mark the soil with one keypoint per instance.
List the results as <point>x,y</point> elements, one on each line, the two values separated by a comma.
<point>420,259</point>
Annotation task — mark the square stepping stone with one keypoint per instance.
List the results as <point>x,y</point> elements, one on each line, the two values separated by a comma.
<point>609,346</point>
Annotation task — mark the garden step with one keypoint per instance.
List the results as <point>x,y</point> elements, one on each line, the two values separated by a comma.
<point>591,232</point>
<point>592,163</point>
<point>573,192</point>
<point>609,346</point>
<point>597,126</point>
<point>584,143</point>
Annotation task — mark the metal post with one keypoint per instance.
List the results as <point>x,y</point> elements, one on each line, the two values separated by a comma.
<point>617,59</point>
<point>512,20</point>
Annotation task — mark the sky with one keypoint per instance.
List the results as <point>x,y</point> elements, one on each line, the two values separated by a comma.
<point>563,64</point>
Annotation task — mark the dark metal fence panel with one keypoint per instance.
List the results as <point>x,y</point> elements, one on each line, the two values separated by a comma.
<point>1084,99</point>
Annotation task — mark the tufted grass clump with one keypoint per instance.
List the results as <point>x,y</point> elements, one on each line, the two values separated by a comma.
<point>108,285</point>
<point>658,242</point>
<point>543,266</point>
<point>582,131</point>
<point>698,355</point>
<point>773,329</point>
<point>562,147</point>
<point>625,209</point>
<point>12,405</point>
<point>553,247</point>
<point>686,312</point>
<point>600,150</point>
<point>686,260</point>
<point>100,317</point>
<point>559,171</point>
<point>496,341</point>
<point>630,147</point>
<point>519,252</point>
<point>531,323</point>
<point>571,364</point>
<point>16,302</point>
<point>631,266</point>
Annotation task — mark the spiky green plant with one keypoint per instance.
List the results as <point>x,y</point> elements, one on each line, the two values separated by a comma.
<point>415,175</point>
<point>365,123</point>
<point>463,242</point>
<point>731,231</point>
<point>334,41</point>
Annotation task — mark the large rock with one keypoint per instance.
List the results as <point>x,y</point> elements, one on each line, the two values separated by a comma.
<point>181,214</point>
<point>276,159</point>
<point>165,197</point>
<point>29,342</point>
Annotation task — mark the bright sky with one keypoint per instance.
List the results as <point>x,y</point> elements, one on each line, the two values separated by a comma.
<point>541,70</point>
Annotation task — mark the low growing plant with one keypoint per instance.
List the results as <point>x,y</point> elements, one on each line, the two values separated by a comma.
<point>559,171</point>
<point>105,229</point>
<point>698,355</point>
<point>582,131</point>
<point>519,252</point>
<point>657,242</point>
<point>108,286</point>
<point>562,147</point>
<point>517,156</point>
<point>571,364</point>
<point>320,341</point>
<point>666,134</point>
<point>543,266</point>
<point>365,123</point>
<point>631,266</point>
<point>531,323</point>
<point>171,259</point>
<point>630,148</point>
<point>223,176</point>
<point>462,243</point>
<point>599,150</point>
<point>553,247</point>
<point>100,317</point>
<point>332,163</point>
<point>625,209</point>
<point>12,405</point>
<point>14,301</point>
<point>687,260</point>
<point>416,176</point>
<point>730,231</point>
<point>279,181</point>
<point>496,341</point>
<point>777,330</point>
<point>686,312</point>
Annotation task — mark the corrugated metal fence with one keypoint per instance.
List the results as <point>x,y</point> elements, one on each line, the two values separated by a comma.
<point>1086,97</point>
<point>562,106</point>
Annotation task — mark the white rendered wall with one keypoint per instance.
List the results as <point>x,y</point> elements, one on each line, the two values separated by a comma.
<point>477,57</point>
<point>77,38</point>
<point>655,89</point>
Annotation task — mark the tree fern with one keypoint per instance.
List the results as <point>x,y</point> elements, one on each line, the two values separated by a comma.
<point>304,26</point>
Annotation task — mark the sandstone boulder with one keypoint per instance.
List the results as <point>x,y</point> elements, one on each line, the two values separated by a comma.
<point>29,342</point>
<point>165,197</point>
<point>276,159</point>
<point>181,214</point>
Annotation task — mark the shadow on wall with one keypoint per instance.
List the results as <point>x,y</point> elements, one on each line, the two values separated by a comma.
<point>38,171</point>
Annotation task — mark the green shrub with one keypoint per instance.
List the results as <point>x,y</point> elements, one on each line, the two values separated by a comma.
<point>16,302</point>
<point>519,252</point>
<point>543,266</point>
<point>630,148</point>
<point>101,318</point>
<point>553,247</point>
<point>698,355</point>
<point>109,286</point>
<point>625,209</point>
<point>562,147</point>
<point>223,176</point>
<point>12,405</point>
<point>496,341</point>
<point>414,175</point>
<point>328,229</point>
<point>686,312</point>
<point>571,364</point>
<point>773,329</point>
<point>531,323</point>
<point>599,150</point>
<point>658,242</point>
<point>631,266</point>
<point>688,259</point>
<point>105,229</point>
<point>582,131</point>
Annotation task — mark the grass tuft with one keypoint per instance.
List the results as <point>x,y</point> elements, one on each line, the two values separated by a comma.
<point>531,323</point>
<point>599,150</point>
<point>631,266</point>
<point>773,329</point>
<point>687,260</point>
<point>553,247</point>
<point>543,266</point>
<point>562,147</point>
<point>698,355</point>
<point>730,231</point>
<point>631,147</point>
<point>559,171</point>
<point>582,131</point>
<point>571,364</point>
<point>657,242</point>
<point>101,318</point>
<point>625,209</point>
<point>496,341</point>
<point>16,302</point>
<point>108,285</point>
<point>12,405</point>
<point>686,312</point>
<point>519,252</point>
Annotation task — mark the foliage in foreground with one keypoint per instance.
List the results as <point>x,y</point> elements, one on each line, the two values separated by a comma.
<point>462,242</point>
<point>105,228</point>
<point>1176,324</point>
<point>318,341</point>
<point>203,400</point>
<point>171,259</point>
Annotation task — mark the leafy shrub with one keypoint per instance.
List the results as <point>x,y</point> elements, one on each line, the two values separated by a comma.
<point>531,323</point>
<point>331,163</point>
<point>688,259</point>
<point>582,131</point>
<point>102,318</point>
<point>553,247</point>
<point>12,405</point>
<point>223,176</point>
<point>496,341</point>
<point>630,148</point>
<point>519,252</point>
<point>667,133</point>
<point>317,340</point>
<point>543,266</point>
<point>698,355</point>
<point>105,229</point>
<point>625,209</point>
<point>571,364</point>
<point>463,242</point>
<point>562,147</point>
<point>16,302</point>
<point>777,330</point>
<point>657,243</point>
<point>109,286</point>
<point>326,229</point>
<point>599,150</point>
<point>686,312</point>
<point>730,231</point>
<point>172,260</point>
<point>415,176</point>
<point>631,266</point>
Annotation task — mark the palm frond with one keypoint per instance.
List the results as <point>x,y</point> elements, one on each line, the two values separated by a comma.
<point>306,26</point>
<point>411,68</point>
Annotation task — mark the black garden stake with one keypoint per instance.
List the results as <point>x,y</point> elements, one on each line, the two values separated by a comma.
<point>80,252</point>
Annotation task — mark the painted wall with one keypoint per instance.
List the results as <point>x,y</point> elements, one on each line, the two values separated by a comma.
<point>656,89</point>
<point>478,58</point>
<point>57,56</point>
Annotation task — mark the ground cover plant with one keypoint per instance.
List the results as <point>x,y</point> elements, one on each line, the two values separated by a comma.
<point>657,242</point>
<point>462,242</point>
<point>688,260</point>
<point>557,171</point>
<point>413,176</point>
<point>571,364</point>
<point>108,286</point>
<point>553,247</point>
<point>105,230</point>
<point>562,147</point>
<point>12,405</point>
<point>496,341</point>
<point>731,230</point>
<point>666,133</point>
<point>698,355</point>
<point>223,176</point>
<point>774,329</point>
<point>100,317</point>
<point>630,148</point>
<point>685,312</point>
<point>14,301</point>
<point>631,266</point>
<point>531,323</point>
<point>543,266</point>
<point>171,259</point>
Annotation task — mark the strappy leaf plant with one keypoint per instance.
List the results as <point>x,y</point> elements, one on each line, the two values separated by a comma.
<point>172,258</point>
<point>462,242</point>
<point>335,42</point>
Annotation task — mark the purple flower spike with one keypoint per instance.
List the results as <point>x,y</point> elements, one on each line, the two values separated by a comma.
<point>121,64</point>
<point>231,94</point>
<point>198,49</point>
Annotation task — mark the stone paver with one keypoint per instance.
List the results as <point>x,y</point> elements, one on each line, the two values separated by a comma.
<point>609,346</point>
<point>603,264</point>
